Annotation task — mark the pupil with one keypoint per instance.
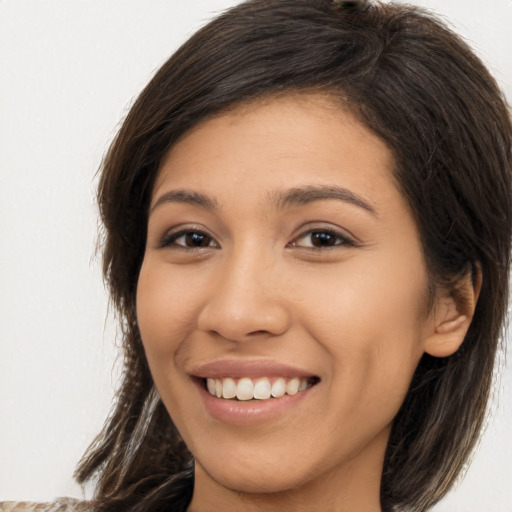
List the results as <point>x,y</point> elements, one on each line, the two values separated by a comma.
<point>197,240</point>
<point>323,240</point>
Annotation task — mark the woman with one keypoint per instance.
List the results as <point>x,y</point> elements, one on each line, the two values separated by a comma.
<point>307,217</point>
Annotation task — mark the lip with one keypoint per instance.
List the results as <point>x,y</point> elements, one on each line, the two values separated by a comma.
<point>252,368</point>
<point>251,412</point>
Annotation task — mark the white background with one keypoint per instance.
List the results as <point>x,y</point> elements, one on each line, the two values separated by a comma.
<point>68,72</point>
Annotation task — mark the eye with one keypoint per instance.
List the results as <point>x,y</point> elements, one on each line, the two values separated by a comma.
<point>322,239</point>
<point>189,239</point>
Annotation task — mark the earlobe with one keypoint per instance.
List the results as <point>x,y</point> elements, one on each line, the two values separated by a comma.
<point>452,315</point>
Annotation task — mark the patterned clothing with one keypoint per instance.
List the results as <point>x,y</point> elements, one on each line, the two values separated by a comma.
<point>60,505</point>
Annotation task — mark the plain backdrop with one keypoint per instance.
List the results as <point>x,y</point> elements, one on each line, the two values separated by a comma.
<point>68,72</point>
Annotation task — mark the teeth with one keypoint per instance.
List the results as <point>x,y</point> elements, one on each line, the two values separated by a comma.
<point>303,384</point>
<point>228,388</point>
<point>218,389</point>
<point>292,388</point>
<point>244,389</point>
<point>261,389</point>
<point>279,388</point>
<point>210,384</point>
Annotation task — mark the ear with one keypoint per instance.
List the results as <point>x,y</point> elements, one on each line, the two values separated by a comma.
<point>452,315</point>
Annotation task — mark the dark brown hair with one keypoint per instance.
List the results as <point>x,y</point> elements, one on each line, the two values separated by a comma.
<point>421,89</point>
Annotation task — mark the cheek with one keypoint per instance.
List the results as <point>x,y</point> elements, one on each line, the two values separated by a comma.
<point>375,305</point>
<point>165,305</point>
<point>165,316</point>
<point>371,320</point>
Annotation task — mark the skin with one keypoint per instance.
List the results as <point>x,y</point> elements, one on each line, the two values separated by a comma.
<point>353,314</point>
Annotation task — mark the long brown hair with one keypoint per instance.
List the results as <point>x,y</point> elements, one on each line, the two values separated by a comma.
<point>421,89</point>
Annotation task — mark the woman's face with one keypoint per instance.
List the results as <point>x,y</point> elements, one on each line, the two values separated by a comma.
<point>280,253</point>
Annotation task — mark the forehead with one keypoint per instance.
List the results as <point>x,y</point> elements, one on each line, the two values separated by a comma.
<point>270,144</point>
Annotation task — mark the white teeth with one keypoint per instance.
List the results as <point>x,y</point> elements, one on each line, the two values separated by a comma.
<point>228,388</point>
<point>245,389</point>
<point>292,388</point>
<point>210,384</point>
<point>279,388</point>
<point>261,389</point>
<point>303,384</point>
<point>218,388</point>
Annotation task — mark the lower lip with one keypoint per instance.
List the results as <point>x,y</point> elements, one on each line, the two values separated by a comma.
<point>250,412</point>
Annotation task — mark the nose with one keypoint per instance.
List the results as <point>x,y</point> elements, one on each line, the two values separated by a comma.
<point>246,300</point>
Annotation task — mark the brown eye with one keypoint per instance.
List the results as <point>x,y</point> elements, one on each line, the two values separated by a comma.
<point>197,240</point>
<point>322,239</point>
<point>189,240</point>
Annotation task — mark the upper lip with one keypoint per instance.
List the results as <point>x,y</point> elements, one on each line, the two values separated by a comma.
<point>252,368</point>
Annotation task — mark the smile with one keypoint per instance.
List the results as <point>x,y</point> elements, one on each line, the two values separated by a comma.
<point>264,388</point>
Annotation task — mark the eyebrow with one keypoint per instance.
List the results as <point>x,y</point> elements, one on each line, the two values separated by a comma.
<point>310,193</point>
<point>280,200</point>
<point>187,197</point>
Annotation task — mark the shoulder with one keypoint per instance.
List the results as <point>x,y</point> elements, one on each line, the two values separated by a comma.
<point>60,505</point>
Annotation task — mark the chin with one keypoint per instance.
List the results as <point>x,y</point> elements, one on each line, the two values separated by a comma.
<point>262,478</point>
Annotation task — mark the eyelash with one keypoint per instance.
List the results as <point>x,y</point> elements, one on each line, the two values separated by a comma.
<point>340,239</point>
<point>170,240</point>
